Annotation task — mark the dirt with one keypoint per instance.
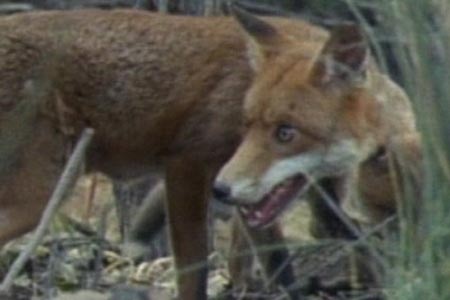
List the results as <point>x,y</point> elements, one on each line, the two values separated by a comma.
<point>83,252</point>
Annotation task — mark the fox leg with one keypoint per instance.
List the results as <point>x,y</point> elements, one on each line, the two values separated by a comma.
<point>151,216</point>
<point>130,197</point>
<point>188,184</point>
<point>27,180</point>
<point>147,239</point>
<point>271,250</point>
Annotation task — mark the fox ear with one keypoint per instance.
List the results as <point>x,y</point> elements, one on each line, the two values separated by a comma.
<point>344,58</point>
<point>263,38</point>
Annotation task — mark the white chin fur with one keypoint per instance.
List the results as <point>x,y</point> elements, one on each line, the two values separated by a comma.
<point>245,191</point>
<point>316,164</point>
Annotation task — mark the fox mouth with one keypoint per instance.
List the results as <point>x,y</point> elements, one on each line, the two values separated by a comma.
<point>263,213</point>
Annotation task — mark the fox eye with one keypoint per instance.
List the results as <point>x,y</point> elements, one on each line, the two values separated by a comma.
<point>285,133</point>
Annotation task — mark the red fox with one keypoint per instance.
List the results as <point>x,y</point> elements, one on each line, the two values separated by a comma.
<point>359,179</point>
<point>166,94</point>
<point>309,116</point>
<point>379,189</point>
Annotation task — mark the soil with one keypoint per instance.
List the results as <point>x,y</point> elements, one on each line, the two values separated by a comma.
<point>83,253</point>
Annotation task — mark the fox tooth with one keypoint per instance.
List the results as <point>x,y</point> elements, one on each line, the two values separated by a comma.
<point>258,214</point>
<point>244,210</point>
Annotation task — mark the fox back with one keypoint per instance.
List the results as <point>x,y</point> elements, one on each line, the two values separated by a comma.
<point>163,93</point>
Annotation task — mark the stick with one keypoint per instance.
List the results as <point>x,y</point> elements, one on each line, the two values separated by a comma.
<point>65,182</point>
<point>91,197</point>
<point>348,223</point>
<point>254,251</point>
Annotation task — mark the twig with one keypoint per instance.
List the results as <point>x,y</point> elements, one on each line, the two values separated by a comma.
<point>362,240</point>
<point>101,233</point>
<point>91,196</point>
<point>348,223</point>
<point>80,227</point>
<point>254,251</point>
<point>284,265</point>
<point>65,182</point>
<point>343,218</point>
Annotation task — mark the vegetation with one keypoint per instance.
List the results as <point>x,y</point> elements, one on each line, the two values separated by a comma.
<point>421,34</point>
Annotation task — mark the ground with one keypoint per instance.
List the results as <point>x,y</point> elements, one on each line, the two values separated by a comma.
<point>82,252</point>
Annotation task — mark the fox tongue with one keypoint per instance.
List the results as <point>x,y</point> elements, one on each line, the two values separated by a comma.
<point>273,203</point>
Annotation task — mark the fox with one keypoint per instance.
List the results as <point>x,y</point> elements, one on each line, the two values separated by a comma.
<point>339,123</point>
<point>176,95</point>
<point>381,178</point>
<point>317,119</point>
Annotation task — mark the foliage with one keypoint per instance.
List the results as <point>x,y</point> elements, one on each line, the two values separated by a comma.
<point>421,35</point>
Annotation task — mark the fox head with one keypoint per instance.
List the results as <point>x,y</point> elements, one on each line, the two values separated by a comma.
<point>307,117</point>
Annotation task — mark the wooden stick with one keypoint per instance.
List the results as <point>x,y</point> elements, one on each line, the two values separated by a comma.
<point>66,181</point>
<point>90,198</point>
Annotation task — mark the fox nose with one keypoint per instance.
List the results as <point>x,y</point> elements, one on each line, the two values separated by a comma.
<point>221,191</point>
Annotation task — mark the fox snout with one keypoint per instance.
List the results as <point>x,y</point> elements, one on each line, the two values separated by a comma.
<point>236,190</point>
<point>234,194</point>
<point>222,192</point>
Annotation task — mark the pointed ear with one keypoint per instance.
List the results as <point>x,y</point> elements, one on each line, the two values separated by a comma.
<point>264,39</point>
<point>344,58</point>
